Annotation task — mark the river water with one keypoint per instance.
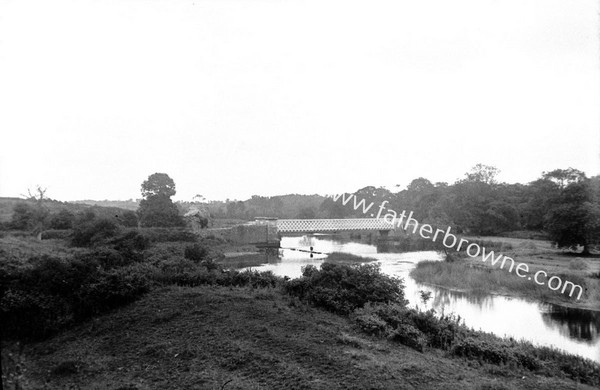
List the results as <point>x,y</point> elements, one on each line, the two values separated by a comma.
<point>572,330</point>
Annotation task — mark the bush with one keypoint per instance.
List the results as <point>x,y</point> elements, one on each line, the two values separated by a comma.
<point>131,245</point>
<point>129,219</point>
<point>408,335</point>
<point>56,234</point>
<point>108,290</point>
<point>196,252</point>
<point>105,257</point>
<point>169,235</point>
<point>94,232</point>
<point>489,352</point>
<point>62,220</point>
<point>387,318</point>
<point>31,314</point>
<point>343,288</point>
<point>53,292</point>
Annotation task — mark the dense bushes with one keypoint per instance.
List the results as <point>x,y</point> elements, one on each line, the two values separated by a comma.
<point>93,231</point>
<point>195,252</point>
<point>56,234</point>
<point>408,326</point>
<point>169,235</point>
<point>417,329</point>
<point>342,288</point>
<point>53,292</point>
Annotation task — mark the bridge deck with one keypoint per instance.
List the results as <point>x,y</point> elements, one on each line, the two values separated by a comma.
<point>331,225</point>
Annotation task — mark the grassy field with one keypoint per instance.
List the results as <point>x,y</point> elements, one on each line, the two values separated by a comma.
<point>471,274</point>
<point>240,338</point>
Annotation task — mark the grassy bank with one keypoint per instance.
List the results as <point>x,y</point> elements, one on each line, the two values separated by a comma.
<point>472,274</point>
<point>463,276</point>
<point>214,337</point>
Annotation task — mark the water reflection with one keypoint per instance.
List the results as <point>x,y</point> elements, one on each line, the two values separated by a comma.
<point>573,330</point>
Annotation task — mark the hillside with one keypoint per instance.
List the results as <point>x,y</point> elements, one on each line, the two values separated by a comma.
<point>240,338</point>
<point>7,205</point>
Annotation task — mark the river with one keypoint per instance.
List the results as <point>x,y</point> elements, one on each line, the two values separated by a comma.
<point>572,330</point>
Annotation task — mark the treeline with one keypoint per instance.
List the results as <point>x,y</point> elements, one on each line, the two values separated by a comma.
<point>283,206</point>
<point>564,203</point>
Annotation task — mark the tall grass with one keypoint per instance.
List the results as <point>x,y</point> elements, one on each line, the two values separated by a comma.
<point>461,275</point>
<point>341,257</point>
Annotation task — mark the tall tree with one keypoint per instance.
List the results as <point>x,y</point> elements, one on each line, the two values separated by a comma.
<point>483,173</point>
<point>564,177</point>
<point>157,208</point>
<point>574,218</point>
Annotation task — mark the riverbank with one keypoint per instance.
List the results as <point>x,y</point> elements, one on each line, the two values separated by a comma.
<point>472,275</point>
<point>239,338</point>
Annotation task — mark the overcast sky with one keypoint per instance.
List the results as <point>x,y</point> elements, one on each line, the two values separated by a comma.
<point>235,98</point>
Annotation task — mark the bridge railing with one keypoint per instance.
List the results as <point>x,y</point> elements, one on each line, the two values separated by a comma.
<point>331,225</point>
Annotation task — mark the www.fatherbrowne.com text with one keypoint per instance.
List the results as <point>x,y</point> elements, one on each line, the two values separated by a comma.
<point>449,240</point>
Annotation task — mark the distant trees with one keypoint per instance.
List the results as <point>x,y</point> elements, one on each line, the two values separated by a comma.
<point>157,208</point>
<point>564,177</point>
<point>562,202</point>
<point>307,213</point>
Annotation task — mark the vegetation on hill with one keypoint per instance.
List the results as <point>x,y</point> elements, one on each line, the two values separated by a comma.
<point>118,266</point>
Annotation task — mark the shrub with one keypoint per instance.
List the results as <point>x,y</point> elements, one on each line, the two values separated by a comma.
<point>482,350</point>
<point>107,291</point>
<point>62,220</point>
<point>343,288</point>
<point>56,234</point>
<point>408,335</point>
<point>53,292</point>
<point>169,235</point>
<point>31,314</point>
<point>129,219</point>
<point>131,245</point>
<point>195,252</point>
<point>94,232</point>
<point>370,323</point>
<point>107,258</point>
<point>435,332</point>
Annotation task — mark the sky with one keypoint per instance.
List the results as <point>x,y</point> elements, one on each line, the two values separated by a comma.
<point>234,98</point>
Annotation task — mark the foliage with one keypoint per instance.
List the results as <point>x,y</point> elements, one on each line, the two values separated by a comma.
<point>93,231</point>
<point>575,219</point>
<point>157,208</point>
<point>56,234</point>
<point>386,319</point>
<point>158,184</point>
<point>129,219</point>
<point>62,220</point>
<point>27,217</point>
<point>342,288</point>
<point>196,252</point>
<point>417,329</point>
<point>159,211</point>
<point>343,257</point>
<point>57,292</point>
<point>168,234</point>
